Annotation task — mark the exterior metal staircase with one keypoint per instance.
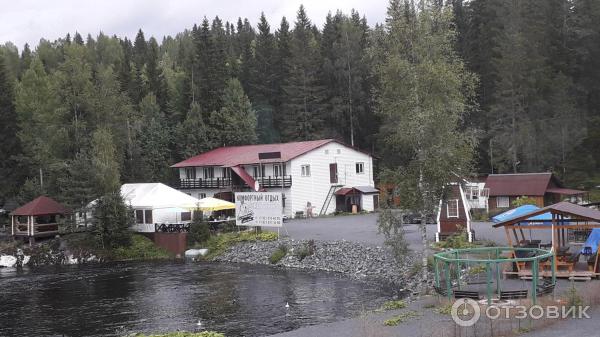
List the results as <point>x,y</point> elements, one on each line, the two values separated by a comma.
<point>330,196</point>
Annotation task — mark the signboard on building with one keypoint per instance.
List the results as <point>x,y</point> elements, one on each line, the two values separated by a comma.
<point>258,209</point>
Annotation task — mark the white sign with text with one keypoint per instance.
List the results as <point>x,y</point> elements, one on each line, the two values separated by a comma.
<point>258,209</point>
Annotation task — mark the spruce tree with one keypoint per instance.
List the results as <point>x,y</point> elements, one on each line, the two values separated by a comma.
<point>303,106</point>
<point>9,142</point>
<point>235,122</point>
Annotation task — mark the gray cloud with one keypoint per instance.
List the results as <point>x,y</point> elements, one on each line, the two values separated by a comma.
<point>26,21</point>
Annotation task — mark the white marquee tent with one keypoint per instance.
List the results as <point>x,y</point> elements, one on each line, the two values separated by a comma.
<point>157,203</point>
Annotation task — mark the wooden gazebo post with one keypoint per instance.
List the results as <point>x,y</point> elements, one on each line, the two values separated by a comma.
<point>554,248</point>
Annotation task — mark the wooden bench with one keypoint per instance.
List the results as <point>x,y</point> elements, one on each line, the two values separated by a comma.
<point>513,294</point>
<point>474,295</point>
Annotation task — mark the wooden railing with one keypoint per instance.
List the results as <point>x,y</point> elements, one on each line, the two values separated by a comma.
<point>285,181</point>
<point>204,183</point>
<point>172,228</point>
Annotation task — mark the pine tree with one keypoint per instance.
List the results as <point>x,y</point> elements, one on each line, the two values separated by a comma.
<point>235,122</point>
<point>156,81</point>
<point>9,142</point>
<point>263,87</point>
<point>140,50</point>
<point>281,66</point>
<point>112,221</point>
<point>303,104</point>
<point>154,140</point>
<point>192,134</point>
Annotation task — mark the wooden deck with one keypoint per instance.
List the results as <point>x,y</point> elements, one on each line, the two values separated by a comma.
<point>579,270</point>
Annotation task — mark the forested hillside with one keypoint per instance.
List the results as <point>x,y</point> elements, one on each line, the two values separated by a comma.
<point>80,115</point>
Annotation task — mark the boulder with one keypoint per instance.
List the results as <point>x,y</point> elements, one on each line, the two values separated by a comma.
<point>8,261</point>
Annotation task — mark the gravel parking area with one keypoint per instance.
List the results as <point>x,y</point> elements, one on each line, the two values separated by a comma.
<point>363,228</point>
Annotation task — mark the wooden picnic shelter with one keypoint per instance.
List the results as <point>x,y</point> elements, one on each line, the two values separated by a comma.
<point>565,216</point>
<point>37,218</point>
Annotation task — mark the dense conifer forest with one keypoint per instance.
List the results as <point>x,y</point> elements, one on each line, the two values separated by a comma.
<point>82,114</point>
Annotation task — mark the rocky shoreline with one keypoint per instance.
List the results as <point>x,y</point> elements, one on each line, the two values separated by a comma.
<point>349,258</point>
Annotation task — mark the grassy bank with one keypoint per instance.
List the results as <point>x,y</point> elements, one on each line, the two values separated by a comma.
<point>141,248</point>
<point>218,244</point>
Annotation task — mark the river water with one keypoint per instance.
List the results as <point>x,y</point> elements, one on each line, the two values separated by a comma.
<point>121,298</point>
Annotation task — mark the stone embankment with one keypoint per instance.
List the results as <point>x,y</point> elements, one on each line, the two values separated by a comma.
<point>349,258</point>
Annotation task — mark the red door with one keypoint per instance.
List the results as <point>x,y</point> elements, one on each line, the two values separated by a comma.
<point>333,174</point>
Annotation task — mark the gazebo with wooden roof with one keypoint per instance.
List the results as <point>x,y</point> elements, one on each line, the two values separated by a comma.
<point>565,216</point>
<point>38,218</point>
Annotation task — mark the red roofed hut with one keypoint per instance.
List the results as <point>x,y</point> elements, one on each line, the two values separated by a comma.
<point>543,187</point>
<point>38,218</point>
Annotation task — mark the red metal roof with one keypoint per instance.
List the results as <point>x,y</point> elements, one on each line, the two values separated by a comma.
<point>564,191</point>
<point>230,156</point>
<point>41,206</point>
<point>518,184</point>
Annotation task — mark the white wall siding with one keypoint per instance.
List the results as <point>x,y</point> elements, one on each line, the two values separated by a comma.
<point>314,189</point>
<point>367,202</point>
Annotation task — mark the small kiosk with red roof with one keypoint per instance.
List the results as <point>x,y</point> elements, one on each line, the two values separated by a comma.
<point>38,218</point>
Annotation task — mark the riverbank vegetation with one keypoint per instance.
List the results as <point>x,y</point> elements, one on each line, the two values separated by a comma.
<point>218,244</point>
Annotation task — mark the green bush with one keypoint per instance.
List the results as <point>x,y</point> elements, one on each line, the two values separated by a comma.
<point>218,244</point>
<point>523,200</point>
<point>393,305</point>
<point>183,334</point>
<point>403,317</point>
<point>308,249</point>
<point>278,254</point>
<point>199,233</point>
<point>141,248</point>
<point>456,241</point>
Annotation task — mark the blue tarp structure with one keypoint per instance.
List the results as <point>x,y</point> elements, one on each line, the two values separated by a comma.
<point>593,240</point>
<point>521,210</point>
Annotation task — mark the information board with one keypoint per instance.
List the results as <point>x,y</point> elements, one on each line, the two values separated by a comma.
<point>258,209</point>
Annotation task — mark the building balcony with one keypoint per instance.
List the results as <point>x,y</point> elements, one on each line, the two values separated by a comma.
<point>228,183</point>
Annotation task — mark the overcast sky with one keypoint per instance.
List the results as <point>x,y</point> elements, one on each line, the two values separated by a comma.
<point>24,21</point>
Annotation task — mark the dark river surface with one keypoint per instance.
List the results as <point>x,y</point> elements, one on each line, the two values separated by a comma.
<point>121,298</point>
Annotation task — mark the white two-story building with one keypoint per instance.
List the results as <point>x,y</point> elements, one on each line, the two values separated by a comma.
<point>318,177</point>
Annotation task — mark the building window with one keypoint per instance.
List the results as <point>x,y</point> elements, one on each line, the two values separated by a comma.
<point>452,208</point>
<point>360,168</point>
<point>502,202</point>
<point>186,216</point>
<point>190,173</point>
<point>209,172</point>
<point>148,216</point>
<point>305,170</point>
<point>326,151</point>
<point>277,170</point>
<point>139,216</point>
<point>201,195</point>
<point>226,172</point>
